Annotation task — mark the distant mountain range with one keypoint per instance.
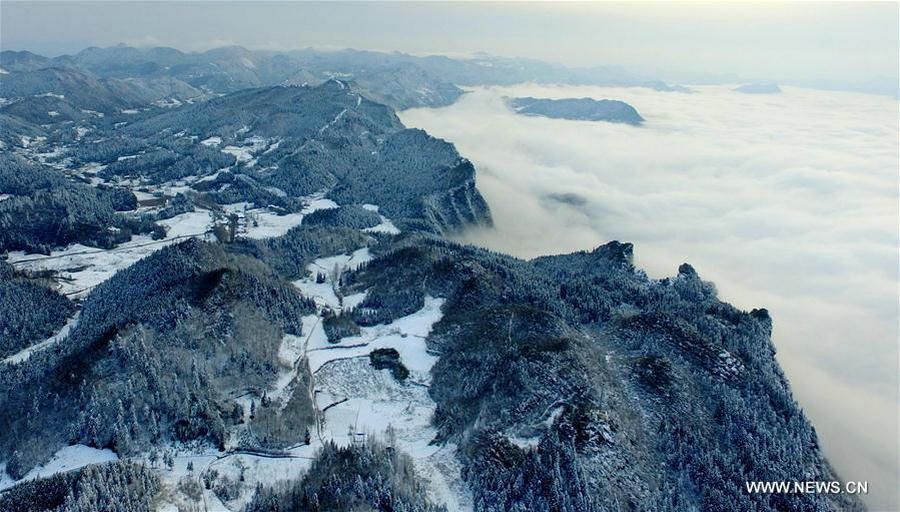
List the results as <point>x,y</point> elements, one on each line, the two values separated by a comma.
<point>395,79</point>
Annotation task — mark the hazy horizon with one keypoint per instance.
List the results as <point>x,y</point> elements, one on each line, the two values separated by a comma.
<point>838,45</point>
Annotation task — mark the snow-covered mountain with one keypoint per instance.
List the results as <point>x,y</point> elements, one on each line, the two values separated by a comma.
<point>248,301</point>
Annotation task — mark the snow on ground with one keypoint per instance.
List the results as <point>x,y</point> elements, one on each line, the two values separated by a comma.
<point>406,335</point>
<point>273,146</point>
<point>4,197</point>
<point>256,469</point>
<point>130,111</point>
<point>240,153</point>
<point>252,145</point>
<point>66,459</point>
<point>277,191</point>
<point>189,223</point>
<point>318,202</point>
<point>291,350</point>
<point>386,225</point>
<point>336,118</point>
<point>323,293</point>
<point>362,400</point>
<point>25,353</point>
<point>79,268</point>
<point>170,103</point>
<point>537,432</point>
<point>91,168</point>
<point>354,300</point>
<point>143,196</point>
<point>260,223</point>
<point>212,141</point>
<point>270,225</point>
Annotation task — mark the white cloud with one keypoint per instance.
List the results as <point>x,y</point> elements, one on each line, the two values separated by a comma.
<point>785,201</point>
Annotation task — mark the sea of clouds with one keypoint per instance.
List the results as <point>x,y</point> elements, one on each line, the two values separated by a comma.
<point>786,201</point>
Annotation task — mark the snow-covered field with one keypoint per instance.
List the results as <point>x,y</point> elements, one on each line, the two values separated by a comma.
<point>357,400</point>
<point>361,400</point>
<point>331,267</point>
<point>386,225</point>
<point>80,268</point>
<point>66,459</point>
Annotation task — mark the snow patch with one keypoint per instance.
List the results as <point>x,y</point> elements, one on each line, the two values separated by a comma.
<point>66,459</point>
<point>366,401</point>
<point>323,294</point>
<point>80,268</point>
<point>212,141</point>
<point>386,226</point>
<point>268,224</point>
<point>63,332</point>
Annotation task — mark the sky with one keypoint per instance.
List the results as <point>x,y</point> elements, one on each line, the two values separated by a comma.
<point>801,42</point>
<point>787,202</point>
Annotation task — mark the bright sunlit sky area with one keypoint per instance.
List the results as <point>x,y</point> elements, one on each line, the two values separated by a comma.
<point>803,42</point>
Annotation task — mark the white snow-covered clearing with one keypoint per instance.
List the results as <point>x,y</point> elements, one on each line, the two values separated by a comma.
<point>168,103</point>
<point>252,145</point>
<point>354,300</point>
<point>367,401</point>
<point>270,225</point>
<point>386,226</point>
<point>317,202</point>
<point>66,459</point>
<point>212,141</point>
<point>291,350</point>
<point>406,335</point>
<point>324,293</point>
<point>79,268</point>
<point>189,223</point>
<point>256,469</point>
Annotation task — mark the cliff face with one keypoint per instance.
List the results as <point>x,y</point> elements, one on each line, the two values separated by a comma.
<point>459,207</point>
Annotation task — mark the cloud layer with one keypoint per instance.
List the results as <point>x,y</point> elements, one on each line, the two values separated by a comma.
<point>785,201</point>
